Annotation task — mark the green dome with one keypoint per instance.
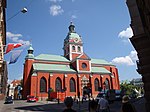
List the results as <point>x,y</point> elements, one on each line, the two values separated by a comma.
<point>72,35</point>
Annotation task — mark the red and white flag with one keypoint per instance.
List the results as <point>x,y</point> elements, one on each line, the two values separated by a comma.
<point>11,46</point>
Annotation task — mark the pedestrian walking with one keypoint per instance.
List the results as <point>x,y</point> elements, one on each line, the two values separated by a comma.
<point>126,105</point>
<point>103,105</point>
<point>69,103</point>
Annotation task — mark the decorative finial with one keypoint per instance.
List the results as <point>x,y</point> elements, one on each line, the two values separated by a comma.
<point>71,23</point>
<point>71,27</point>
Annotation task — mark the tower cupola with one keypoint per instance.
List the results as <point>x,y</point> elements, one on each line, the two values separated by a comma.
<point>72,28</point>
<point>73,45</point>
<point>30,53</point>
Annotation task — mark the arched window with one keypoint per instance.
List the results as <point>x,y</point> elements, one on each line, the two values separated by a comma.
<point>72,85</point>
<point>79,48</point>
<point>107,84</point>
<point>73,48</point>
<point>96,84</point>
<point>43,85</point>
<point>58,84</point>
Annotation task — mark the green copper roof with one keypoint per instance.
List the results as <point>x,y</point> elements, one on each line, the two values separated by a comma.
<point>100,70</point>
<point>52,67</point>
<point>100,61</point>
<point>51,58</point>
<point>73,35</point>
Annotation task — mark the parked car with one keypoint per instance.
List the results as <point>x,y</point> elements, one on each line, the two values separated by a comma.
<point>32,98</point>
<point>8,100</point>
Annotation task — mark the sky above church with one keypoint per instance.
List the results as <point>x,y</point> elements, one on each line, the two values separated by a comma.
<point>104,26</point>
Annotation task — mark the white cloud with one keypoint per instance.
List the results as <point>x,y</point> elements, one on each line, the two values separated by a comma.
<point>126,34</point>
<point>10,35</point>
<point>127,60</point>
<point>56,10</point>
<point>73,17</point>
<point>55,1</point>
<point>133,55</point>
<point>123,60</point>
<point>16,38</point>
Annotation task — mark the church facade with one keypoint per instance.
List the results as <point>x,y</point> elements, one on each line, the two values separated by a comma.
<point>74,72</point>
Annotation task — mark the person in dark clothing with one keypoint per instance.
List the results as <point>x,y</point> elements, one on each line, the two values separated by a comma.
<point>126,105</point>
<point>69,103</point>
<point>93,106</point>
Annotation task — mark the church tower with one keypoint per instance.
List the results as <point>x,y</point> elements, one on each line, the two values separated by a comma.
<point>29,60</point>
<point>73,45</point>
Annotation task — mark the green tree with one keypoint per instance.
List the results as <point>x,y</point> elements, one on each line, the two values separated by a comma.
<point>127,87</point>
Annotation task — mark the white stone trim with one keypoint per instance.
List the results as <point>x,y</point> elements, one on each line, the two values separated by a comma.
<point>77,63</point>
<point>70,52</point>
<point>90,65</point>
<point>91,75</point>
<point>79,75</point>
<point>66,75</point>
<point>112,76</point>
<point>51,74</point>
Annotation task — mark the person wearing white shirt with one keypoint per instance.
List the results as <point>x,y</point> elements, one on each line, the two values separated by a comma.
<point>103,105</point>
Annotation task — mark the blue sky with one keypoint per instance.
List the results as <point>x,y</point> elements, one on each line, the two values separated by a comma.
<point>103,24</point>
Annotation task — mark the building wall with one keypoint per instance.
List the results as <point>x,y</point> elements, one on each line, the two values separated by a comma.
<point>65,79</point>
<point>27,77</point>
<point>140,23</point>
<point>3,65</point>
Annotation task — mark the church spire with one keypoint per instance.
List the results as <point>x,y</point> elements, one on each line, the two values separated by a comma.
<point>72,27</point>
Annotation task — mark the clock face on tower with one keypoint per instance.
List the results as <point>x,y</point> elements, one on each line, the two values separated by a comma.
<point>76,40</point>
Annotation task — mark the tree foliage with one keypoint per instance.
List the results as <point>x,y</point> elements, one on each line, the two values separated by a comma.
<point>127,87</point>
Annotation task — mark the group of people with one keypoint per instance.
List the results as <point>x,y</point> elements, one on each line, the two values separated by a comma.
<point>101,106</point>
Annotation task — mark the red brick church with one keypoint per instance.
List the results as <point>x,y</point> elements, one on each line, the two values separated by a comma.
<point>74,72</point>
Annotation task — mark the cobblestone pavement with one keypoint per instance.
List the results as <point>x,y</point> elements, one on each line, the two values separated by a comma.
<point>44,106</point>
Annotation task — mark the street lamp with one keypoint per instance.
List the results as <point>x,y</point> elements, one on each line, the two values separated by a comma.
<point>23,10</point>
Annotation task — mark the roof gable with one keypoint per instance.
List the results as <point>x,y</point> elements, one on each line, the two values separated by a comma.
<point>83,56</point>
